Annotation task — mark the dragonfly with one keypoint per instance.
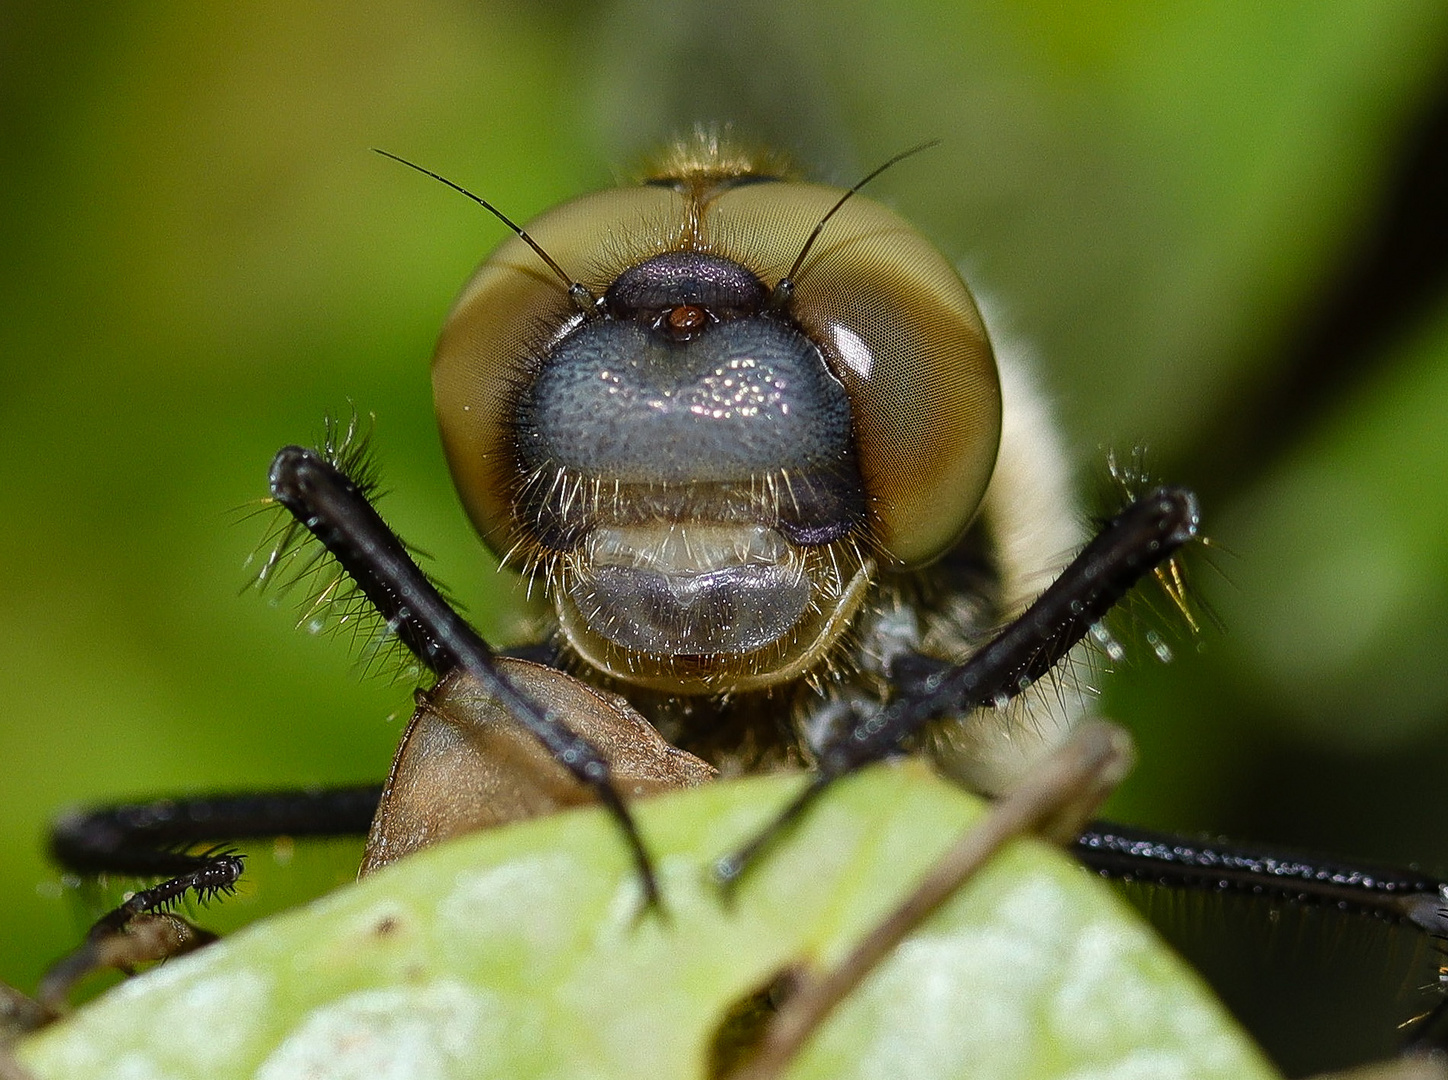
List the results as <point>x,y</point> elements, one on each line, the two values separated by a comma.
<point>749,437</point>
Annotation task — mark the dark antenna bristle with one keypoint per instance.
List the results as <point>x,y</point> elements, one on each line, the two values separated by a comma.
<point>786,283</point>
<point>577,291</point>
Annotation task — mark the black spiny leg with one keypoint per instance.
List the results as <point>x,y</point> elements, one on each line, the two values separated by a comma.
<point>1405,896</point>
<point>1128,853</point>
<point>338,514</point>
<point>151,838</point>
<point>1131,545</point>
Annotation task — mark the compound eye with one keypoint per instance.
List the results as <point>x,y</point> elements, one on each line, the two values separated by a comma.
<point>902,332</point>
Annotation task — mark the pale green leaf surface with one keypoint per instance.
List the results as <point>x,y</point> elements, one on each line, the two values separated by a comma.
<point>517,953</point>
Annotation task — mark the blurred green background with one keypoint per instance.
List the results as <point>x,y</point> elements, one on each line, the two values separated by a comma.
<point>1221,227</point>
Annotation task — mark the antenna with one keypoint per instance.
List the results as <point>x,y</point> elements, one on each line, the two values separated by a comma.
<point>785,288</point>
<point>579,293</point>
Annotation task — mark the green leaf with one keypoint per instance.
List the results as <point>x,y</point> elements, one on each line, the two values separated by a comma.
<point>520,952</point>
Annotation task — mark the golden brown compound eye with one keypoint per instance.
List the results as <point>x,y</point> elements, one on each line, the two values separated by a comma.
<point>893,319</point>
